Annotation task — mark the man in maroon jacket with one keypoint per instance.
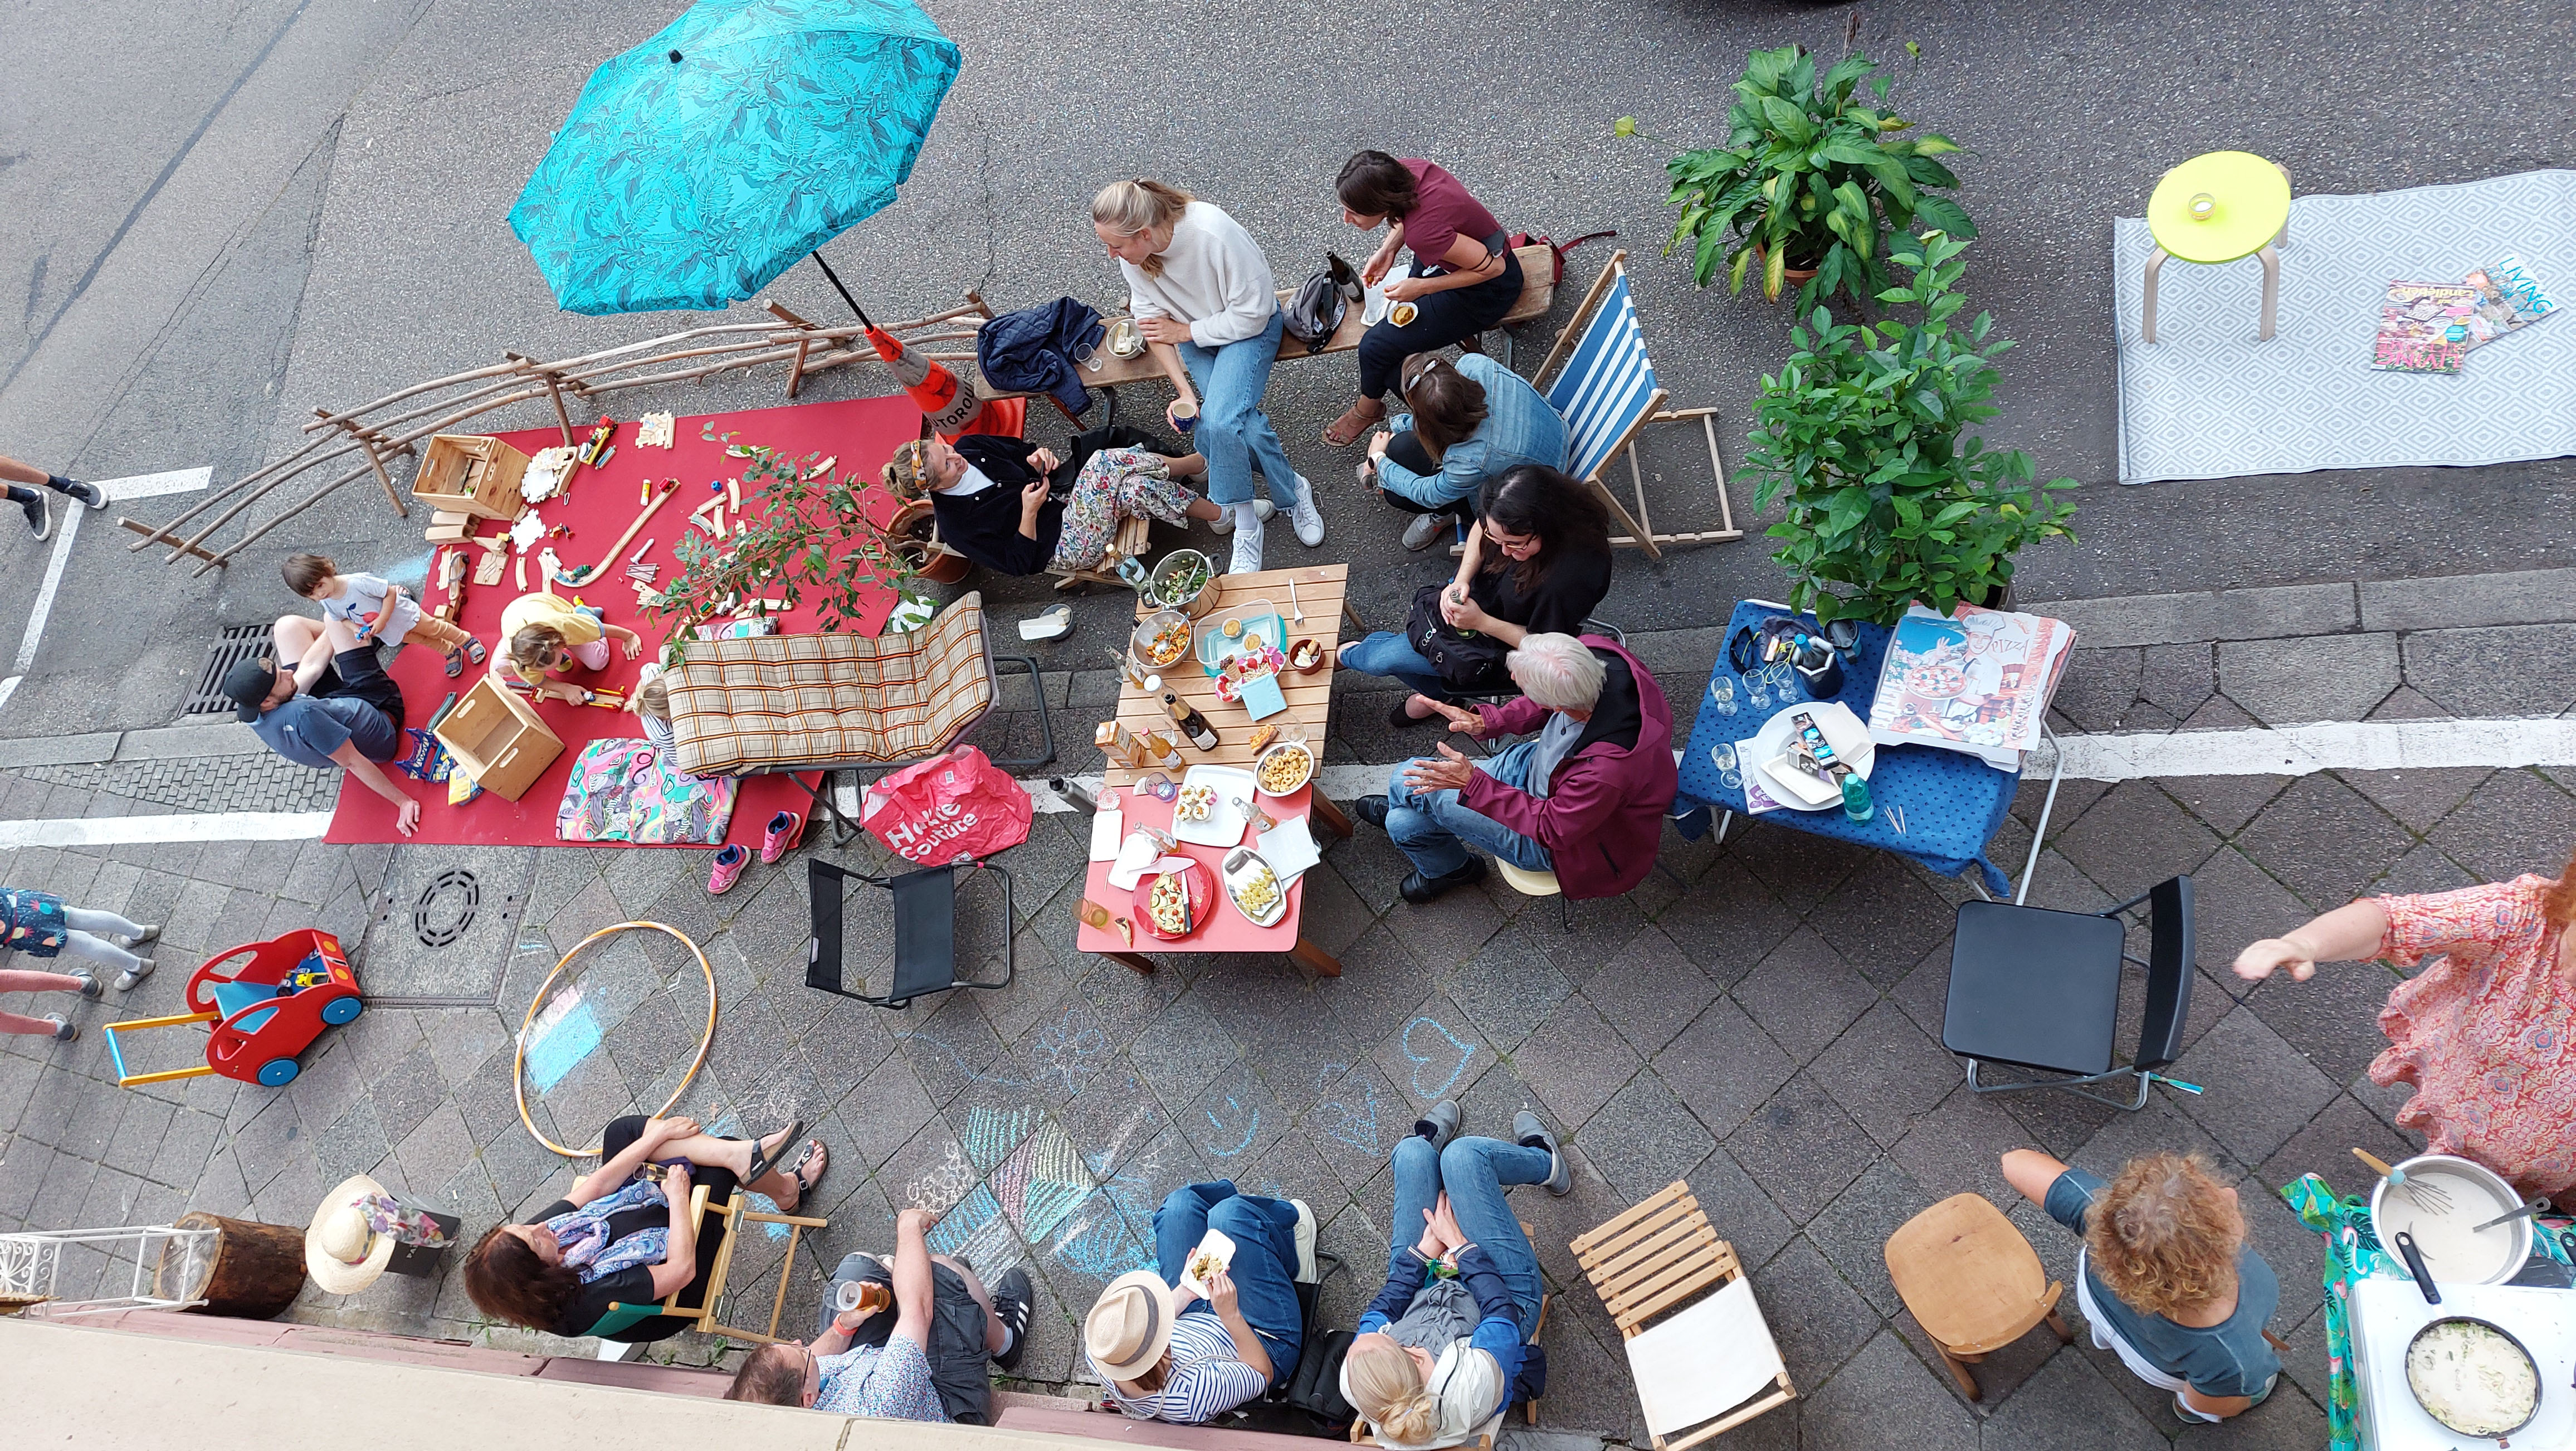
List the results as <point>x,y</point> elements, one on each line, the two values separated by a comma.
<point>1585,798</point>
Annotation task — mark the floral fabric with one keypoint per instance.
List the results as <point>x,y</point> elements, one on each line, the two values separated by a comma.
<point>1118,483</point>
<point>583,1234</point>
<point>890,1382</point>
<point>2486,1034</point>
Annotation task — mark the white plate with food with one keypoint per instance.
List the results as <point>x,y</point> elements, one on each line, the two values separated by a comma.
<point>1214,1253</point>
<point>1254,888</point>
<point>1842,730</point>
<point>1206,813</point>
<point>1284,768</point>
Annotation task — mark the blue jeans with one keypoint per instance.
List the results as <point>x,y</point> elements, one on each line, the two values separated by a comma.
<point>1475,1172</point>
<point>1233,433</point>
<point>1389,654</point>
<point>1434,831</point>
<point>1264,1271</point>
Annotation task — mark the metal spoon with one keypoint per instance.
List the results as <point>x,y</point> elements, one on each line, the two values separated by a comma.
<point>1299,617</point>
<point>2511,1215</point>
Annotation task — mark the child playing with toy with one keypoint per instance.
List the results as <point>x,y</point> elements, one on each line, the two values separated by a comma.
<point>378,609</point>
<point>547,634</point>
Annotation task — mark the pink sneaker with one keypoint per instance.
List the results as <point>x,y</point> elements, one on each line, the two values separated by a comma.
<point>781,836</point>
<point>728,867</point>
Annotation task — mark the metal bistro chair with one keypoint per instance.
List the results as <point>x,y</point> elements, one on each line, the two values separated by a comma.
<point>2040,990</point>
<point>925,931</point>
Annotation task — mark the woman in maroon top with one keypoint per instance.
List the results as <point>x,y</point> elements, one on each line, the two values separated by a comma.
<point>1464,274</point>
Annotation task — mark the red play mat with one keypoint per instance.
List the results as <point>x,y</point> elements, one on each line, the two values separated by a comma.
<point>862,432</point>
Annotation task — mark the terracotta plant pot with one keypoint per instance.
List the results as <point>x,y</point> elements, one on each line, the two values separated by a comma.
<point>1789,276</point>
<point>945,566</point>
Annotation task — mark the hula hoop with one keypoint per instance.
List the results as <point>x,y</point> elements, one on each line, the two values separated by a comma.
<point>519,1052</point>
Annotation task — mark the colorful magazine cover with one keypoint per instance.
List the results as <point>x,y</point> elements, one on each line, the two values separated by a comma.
<point>1978,681</point>
<point>2509,298</point>
<point>2423,327</point>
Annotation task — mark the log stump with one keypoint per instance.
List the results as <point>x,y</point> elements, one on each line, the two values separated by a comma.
<point>255,1271</point>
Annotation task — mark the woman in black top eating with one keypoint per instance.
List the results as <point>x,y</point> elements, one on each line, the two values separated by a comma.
<point>620,1237</point>
<point>1537,563</point>
<point>991,495</point>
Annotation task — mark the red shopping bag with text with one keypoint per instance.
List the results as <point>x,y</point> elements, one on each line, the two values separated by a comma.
<point>949,808</point>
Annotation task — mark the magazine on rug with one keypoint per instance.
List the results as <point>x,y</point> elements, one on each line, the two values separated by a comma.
<point>2509,298</point>
<point>1976,681</point>
<point>2423,327</point>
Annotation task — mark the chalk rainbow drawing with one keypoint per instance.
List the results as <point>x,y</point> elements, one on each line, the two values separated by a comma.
<point>1465,1051</point>
<point>1042,1182</point>
<point>563,1035</point>
<point>973,1230</point>
<point>992,1133</point>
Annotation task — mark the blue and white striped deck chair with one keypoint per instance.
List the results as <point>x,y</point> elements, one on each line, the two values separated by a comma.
<point>1608,394</point>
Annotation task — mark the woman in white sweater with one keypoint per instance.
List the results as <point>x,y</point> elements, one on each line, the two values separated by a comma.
<point>1202,295</point>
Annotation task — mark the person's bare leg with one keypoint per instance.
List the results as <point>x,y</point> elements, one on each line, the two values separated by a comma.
<point>997,1338</point>
<point>1204,510</point>
<point>293,637</point>
<point>21,473</point>
<point>735,1154</point>
<point>1188,465</point>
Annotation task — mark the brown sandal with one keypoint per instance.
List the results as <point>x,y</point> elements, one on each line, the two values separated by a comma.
<point>1355,421</point>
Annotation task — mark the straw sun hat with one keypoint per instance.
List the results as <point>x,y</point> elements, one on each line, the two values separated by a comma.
<point>341,1253</point>
<point>1130,1325</point>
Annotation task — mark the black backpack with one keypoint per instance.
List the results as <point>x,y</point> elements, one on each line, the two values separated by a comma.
<point>1322,301</point>
<point>1473,664</point>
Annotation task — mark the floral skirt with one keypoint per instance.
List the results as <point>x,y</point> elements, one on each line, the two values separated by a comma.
<point>1118,484</point>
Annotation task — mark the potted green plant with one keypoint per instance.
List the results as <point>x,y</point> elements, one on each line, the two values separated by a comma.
<point>805,530</point>
<point>1861,432</point>
<point>1809,182</point>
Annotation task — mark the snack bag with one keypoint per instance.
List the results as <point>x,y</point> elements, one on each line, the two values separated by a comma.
<point>949,808</point>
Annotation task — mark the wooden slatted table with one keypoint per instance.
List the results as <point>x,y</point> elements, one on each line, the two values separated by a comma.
<point>1322,591</point>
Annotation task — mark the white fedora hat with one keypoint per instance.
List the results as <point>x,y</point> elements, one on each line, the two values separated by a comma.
<point>1130,1325</point>
<point>341,1253</point>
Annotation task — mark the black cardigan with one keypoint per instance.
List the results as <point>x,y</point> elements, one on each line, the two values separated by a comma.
<point>985,525</point>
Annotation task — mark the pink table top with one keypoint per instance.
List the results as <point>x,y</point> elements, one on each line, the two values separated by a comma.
<point>1226,929</point>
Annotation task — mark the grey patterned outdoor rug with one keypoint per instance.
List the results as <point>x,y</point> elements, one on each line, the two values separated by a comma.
<point>2209,401</point>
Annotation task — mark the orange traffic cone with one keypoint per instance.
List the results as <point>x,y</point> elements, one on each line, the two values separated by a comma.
<point>948,401</point>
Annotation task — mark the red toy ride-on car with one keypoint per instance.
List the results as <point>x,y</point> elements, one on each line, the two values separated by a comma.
<point>264,1012</point>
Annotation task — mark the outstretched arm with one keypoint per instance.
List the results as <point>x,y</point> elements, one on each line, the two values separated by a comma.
<point>912,1276</point>
<point>2351,931</point>
<point>407,817</point>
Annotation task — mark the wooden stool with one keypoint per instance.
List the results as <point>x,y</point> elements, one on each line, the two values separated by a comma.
<point>1971,1281</point>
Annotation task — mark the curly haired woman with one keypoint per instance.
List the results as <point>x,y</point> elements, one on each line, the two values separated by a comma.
<point>2165,1275</point>
<point>2485,1035</point>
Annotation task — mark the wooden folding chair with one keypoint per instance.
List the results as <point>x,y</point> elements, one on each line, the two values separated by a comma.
<point>1607,391</point>
<point>1657,1262</point>
<point>707,1319</point>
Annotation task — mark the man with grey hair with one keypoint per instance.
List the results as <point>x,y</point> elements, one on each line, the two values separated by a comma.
<point>1584,798</point>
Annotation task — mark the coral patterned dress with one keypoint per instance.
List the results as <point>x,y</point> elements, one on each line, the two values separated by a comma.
<point>2487,1034</point>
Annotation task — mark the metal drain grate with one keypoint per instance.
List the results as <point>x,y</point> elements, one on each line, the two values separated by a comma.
<point>454,890</point>
<point>232,646</point>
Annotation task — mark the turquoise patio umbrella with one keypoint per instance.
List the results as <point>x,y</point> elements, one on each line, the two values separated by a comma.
<point>697,167</point>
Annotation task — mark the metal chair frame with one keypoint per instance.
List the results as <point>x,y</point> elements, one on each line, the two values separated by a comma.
<point>825,893</point>
<point>2141,1071</point>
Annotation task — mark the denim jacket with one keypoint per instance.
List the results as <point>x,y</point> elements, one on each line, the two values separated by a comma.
<point>1519,428</point>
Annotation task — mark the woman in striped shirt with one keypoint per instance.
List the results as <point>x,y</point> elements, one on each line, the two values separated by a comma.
<point>1168,1355</point>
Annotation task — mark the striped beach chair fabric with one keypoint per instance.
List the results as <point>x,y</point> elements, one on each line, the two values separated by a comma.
<point>1608,392</point>
<point>797,703</point>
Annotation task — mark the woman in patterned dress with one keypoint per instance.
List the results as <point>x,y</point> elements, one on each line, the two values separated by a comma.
<point>2486,1035</point>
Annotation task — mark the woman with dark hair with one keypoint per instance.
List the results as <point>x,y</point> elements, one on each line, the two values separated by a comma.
<point>624,1234</point>
<point>1472,420</point>
<point>1464,274</point>
<point>1537,563</point>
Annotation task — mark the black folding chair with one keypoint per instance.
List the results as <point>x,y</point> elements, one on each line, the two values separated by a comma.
<point>2039,990</point>
<point>925,931</point>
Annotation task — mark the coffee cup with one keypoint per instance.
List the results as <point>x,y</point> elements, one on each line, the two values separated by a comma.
<point>1185,416</point>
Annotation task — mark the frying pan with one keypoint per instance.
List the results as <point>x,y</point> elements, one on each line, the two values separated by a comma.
<point>2539,1391</point>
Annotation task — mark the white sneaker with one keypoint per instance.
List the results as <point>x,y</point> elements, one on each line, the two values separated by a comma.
<point>1308,519</point>
<point>1261,509</point>
<point>141,969</point>
<point>1424,531</point>
<point>1305,1242</point>
<point>1247,551</point>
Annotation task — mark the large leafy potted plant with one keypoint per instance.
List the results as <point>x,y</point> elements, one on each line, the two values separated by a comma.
<point>1861,432</point>
<point>1811,178</point>
<point>805,530</point>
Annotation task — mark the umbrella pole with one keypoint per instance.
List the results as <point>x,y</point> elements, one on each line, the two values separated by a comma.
<point>845,292</point>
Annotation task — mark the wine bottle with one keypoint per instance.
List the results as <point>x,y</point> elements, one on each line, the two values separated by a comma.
<point>1193,724</point>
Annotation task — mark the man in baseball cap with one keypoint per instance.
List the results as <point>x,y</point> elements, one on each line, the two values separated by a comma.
<point>321,699</point>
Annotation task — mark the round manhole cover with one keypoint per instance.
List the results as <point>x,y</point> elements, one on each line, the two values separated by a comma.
<point>446,907</point>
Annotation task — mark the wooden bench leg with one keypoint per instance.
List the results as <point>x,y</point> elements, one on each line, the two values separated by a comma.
<point>1323,963</point>
<point>1330,813</point>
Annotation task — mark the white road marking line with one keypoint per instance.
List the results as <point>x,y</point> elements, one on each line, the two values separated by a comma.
<point>135,486</point>
<point>182,826</point>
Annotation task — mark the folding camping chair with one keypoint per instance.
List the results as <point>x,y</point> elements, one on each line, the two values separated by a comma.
<point>1608,393</point>
<point>727,1218</point>
<point>925,931</point>
<point>790,704</point>
<point>1708,1364</point>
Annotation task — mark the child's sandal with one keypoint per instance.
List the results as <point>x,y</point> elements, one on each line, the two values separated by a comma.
<point>455,663</point>
<point>474,651</point>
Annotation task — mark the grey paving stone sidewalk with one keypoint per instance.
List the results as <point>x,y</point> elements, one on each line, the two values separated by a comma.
<point>1766,1031</point>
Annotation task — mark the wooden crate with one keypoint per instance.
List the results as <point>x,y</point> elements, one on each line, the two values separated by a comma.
<point>498,739</point>
<point>470,474</point>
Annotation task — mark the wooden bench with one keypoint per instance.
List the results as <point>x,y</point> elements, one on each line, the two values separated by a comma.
<point>1100,1425</point>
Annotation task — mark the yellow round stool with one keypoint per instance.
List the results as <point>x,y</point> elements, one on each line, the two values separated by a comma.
<point>1537,884</point>
<point>2216,208</point>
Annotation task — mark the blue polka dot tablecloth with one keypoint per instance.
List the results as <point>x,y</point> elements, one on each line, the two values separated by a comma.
<point>1952,802</point>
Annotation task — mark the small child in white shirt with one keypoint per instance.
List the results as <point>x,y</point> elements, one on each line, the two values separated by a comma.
<point>365,599</point>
